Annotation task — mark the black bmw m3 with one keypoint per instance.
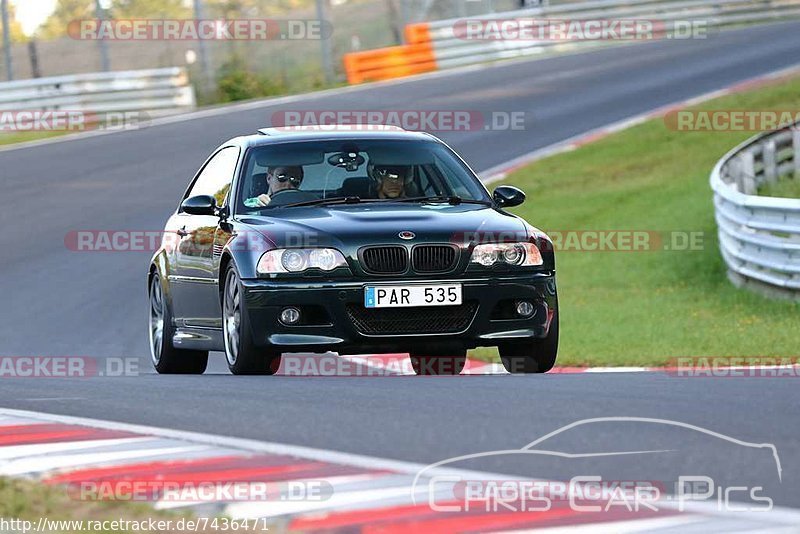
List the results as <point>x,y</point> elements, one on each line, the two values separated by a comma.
<point>370,241</point>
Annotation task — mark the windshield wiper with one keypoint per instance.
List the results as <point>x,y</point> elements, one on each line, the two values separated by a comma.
<point>453,200</point>
<point>321,201</point>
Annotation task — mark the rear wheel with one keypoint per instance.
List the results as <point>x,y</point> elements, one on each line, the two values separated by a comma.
<point>166,358</point>
<point>244,358</point>
<point>439,363</point>
<point>532,356</point>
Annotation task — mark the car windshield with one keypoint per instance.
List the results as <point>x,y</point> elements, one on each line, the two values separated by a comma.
<point>341,172</point>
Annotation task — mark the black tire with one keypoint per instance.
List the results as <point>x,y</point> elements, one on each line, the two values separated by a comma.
<point>243,357</point>
<point>446,363</point>
<point>531,356</point>
<point>165,357</point>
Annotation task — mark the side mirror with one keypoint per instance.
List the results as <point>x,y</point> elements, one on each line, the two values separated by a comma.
<point>200,205</point>
<point>508,196</point>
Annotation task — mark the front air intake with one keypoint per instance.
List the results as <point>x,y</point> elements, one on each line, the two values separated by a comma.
<point>392,259</point>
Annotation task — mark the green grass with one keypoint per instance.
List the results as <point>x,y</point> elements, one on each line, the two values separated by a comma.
<point>786,187</point>
<point>8,138</point>
<point>646,308</point>
<point>28,500</point>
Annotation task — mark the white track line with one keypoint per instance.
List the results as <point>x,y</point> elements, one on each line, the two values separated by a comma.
<point>619,369</point>
<point>42,464</point>
<point>281,449</point>
<point>499,172</point>
<point>492,173</point>
<point>337,482</point>
<point>365,498</point>
<point>225,109</point>
<point>616,527</point>
<point>377,496</point>
<point>37,449</point>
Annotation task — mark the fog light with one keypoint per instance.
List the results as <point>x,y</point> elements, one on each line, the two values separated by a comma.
<point>525,308</point>
<point>290,316</point>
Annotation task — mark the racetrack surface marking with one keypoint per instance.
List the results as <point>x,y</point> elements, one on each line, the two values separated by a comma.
<point>499,172</point>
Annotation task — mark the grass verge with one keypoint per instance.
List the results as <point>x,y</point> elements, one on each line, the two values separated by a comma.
<point>786,187</point>
<point>647,308</point>
<point>26,500</point>
<point>9,138</point>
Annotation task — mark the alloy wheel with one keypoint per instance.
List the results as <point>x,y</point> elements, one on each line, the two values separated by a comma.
<point>156,320</point>
<point>232,317</point>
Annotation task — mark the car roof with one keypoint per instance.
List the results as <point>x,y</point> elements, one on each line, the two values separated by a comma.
<point>267,136</point>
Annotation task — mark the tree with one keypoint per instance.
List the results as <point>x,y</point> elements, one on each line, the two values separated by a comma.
<point>15,28</point>
<point>255,8</point>
<point>148,9</point>
<point>65,12</point>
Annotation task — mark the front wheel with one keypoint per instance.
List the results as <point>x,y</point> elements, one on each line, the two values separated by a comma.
<point>531,356</point>
<point>165,357</point>
<point>244,358</point>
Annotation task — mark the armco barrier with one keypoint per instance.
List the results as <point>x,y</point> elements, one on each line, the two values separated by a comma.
<point>155,91</point>
<point>435,45</point>
<point>759,237</point>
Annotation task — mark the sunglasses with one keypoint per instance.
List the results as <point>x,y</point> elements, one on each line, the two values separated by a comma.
<point>385,174</point>
<point>283,177</point>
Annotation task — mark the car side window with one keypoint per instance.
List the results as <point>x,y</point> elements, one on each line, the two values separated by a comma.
<point>216,177</point>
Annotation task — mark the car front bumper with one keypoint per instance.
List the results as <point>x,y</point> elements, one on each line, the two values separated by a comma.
<point>489,325</point>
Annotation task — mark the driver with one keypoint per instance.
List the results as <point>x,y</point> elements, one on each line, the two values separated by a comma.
<point>391,180</point>
<point>281,178</point>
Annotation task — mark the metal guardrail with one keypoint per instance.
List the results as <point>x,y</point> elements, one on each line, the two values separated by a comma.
<point>437,45</point>
<point>155,91</point>
<point>759,237</point>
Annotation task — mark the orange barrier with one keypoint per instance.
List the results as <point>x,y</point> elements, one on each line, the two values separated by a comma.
<point>418,33</point>
<point>442,44</point>
<point>395,61</point>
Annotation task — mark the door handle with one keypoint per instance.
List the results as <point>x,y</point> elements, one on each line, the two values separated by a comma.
<point>182,232</point>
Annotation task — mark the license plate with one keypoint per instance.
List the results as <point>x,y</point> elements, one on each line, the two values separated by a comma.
<point>412,295</point>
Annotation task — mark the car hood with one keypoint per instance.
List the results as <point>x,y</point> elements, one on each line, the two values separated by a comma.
<point>348,226</point>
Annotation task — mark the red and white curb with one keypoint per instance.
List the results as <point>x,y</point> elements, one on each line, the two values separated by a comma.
<point>500,172</point>
<point>366,493</point>
<point>400,365</point>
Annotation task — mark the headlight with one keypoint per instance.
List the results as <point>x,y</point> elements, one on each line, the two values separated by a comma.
<point>523,254</point>
<point>295,260</point>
